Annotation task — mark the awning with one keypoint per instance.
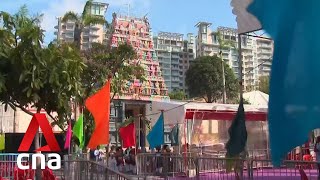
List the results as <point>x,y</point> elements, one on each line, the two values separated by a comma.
<point>177,112</point>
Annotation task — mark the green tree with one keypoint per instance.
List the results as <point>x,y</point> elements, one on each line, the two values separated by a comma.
<point>83,20</point>
<point>178,95</point>
<point>103,62</point>
<point>223,45</point>
<point>264,84</point>
<point>204,79</point>
<point>31,74</point>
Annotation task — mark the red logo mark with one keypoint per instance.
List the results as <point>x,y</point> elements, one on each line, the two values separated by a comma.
<point>39,120</point>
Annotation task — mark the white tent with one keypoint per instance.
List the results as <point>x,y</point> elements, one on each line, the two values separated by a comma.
<point>256,98</point>
<point>177,112</point>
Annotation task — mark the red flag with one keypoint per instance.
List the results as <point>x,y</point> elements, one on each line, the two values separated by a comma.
<point>99,105</point>
<point>128,135</point>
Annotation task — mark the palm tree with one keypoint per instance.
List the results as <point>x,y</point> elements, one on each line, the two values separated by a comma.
<point>224,45</point>
<point>83,20</point>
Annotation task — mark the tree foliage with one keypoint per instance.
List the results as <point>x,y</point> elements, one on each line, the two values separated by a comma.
<point>103,62</point>
<point>178,95</point>
<point>264,84</point>
<point>204,79</point>
<point>30,74</point>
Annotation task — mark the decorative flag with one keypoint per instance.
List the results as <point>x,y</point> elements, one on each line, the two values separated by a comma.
<point>68,138</point>
<point>294,92</point>
<point>99,105</point>
<point>174,135</point>
<point>128,135</point>
<point>78,130</point>
<point>237,133</point>
<point>156,135</point>
<point>2,142</point>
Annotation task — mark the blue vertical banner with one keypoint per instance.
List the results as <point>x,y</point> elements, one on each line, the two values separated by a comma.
<point>294,109</point>
<point>156,135</point>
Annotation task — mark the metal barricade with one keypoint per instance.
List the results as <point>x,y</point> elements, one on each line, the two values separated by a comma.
<point>81,169</point>
<point>173,165</point>
<point>8,162</point>
<point>263,169</point>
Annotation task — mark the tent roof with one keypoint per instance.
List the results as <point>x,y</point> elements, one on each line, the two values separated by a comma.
<point>178,111</point>
<point>246,22</point>
<point>257,98</point>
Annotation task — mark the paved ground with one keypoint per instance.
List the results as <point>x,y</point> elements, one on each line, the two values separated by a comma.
<point>264,174</point>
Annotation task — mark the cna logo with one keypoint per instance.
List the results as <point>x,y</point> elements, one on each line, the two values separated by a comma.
<point>54,162</point>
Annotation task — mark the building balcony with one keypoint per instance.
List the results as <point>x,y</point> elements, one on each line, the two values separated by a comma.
<point>206,49</point>
<point>94,27</point>
<point>175,56</point>
<point>94,35</point>
<point>265,52</point>
<point>176,49</point>
<point>174,62</point>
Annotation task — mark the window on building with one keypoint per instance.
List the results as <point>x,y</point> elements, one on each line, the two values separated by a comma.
<point>69,27</point>
<point>244,41</point>
<point>204,39</point>
<point>203,29</point>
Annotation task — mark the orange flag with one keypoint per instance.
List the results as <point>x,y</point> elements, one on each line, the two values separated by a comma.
<point>99,105</point>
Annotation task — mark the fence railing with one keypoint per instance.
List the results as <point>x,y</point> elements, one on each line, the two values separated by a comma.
<point>206,167</point>
<point>73,167</point>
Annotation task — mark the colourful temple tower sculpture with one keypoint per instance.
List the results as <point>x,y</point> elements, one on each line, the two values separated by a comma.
<point>136,31</point>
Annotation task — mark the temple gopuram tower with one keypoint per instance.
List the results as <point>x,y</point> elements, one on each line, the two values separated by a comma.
<point>136,31</point>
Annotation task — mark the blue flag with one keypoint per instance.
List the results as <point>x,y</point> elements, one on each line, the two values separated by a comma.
<point>294,89</point>
<point>156,135</point>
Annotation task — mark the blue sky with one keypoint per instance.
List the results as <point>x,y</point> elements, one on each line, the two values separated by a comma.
<point>178,16</point>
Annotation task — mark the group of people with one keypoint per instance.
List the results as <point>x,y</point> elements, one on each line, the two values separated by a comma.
<point>116,158</point>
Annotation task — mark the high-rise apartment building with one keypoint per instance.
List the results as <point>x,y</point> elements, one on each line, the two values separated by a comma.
<point>256,51</point>
<point>187,57</point>
<point>174,54</point>
<point>65,31</point>
<point>168,48</point>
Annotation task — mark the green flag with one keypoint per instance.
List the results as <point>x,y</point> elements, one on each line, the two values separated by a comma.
<point>237,133</point>
<point>2,142</point>
<point>78,130</point>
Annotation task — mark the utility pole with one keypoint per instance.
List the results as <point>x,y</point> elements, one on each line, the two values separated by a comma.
<point>128,9</point>
<point>224,97</point>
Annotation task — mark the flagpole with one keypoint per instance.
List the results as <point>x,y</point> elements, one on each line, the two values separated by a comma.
<point>81,150</point>
<point>241,87</point>
<point>163,124</point>
<point>240,66</point>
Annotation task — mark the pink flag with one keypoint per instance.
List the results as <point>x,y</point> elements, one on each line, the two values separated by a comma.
<point>68,138</point>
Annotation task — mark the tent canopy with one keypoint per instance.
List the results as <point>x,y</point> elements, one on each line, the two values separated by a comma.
<point>177,111</point>
<point>256,98</point>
